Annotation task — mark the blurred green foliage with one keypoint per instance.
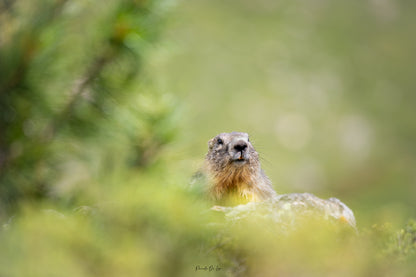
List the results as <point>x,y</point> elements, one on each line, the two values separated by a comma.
<point>73,98</point>
<point>138,231</point>
<point>92,166</point>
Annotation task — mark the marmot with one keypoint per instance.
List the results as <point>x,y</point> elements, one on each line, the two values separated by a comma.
<point>233,171</point>
<point>232,175</point>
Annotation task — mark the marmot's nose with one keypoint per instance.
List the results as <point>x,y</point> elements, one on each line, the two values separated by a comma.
<point>240,145</point>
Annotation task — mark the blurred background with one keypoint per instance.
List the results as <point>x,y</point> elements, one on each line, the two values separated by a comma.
<point>111,105</point>
<point>325,89</point>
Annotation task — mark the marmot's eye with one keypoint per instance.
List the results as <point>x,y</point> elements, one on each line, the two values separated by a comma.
<point>220,141</point>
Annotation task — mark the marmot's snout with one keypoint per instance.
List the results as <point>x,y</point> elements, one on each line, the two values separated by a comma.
<point>239,150</point>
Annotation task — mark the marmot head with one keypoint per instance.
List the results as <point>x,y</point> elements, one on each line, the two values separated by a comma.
<point>233,170</point>
<point>231,150</point>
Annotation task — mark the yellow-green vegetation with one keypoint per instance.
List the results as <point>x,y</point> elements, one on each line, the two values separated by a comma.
<point>106,108</point>
<point>154,229</point>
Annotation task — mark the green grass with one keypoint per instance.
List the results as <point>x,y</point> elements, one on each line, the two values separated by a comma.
<point>148,228</point>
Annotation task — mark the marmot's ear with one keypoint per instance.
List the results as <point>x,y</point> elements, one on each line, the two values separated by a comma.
<point>211,143</point>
